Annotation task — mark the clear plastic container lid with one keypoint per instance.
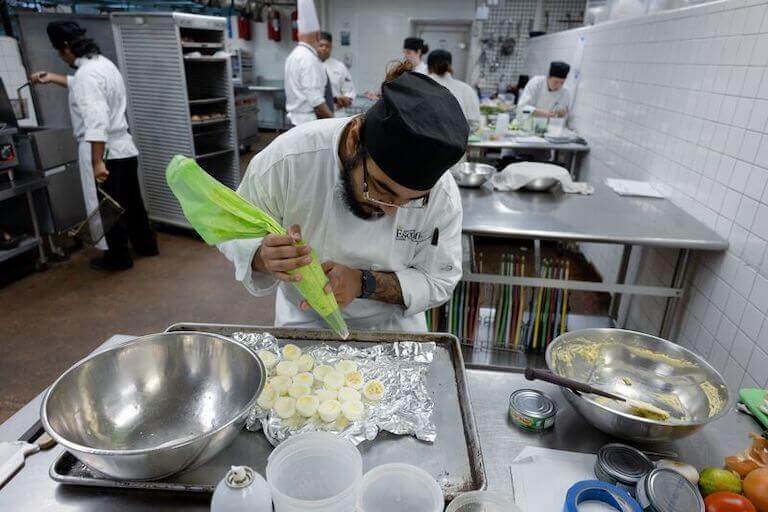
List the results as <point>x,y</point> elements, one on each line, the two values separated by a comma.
<point>399,488</point>
<point>482,501</point>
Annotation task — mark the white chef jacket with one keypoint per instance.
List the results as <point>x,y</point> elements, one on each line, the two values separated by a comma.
<point>97,103</point>
<point>464,93</point>
<point>305,80</point>
<point>341,80</point>
<point>537,94</point>
<point>422,68</point>
<point>296,179</point>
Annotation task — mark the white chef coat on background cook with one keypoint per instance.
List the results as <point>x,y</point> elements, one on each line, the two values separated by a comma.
<point>296,179</point>
<point>341,80</point>
<point>464,93</point>
<point>422,68</point>
<point>97,103</point>
<point>305,80</point>
<point>537,94</point>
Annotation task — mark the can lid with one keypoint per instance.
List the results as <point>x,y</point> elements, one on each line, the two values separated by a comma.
<point>669,491</point>
<point>623,463</point>
<point>532,403</point>
<point>239,477</point>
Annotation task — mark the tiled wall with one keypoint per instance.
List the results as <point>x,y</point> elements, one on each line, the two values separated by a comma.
<point>681,99</point>
<point>504,20</point>
<point>13,74</point>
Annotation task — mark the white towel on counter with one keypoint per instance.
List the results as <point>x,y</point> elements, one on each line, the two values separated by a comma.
<point>517,176</point>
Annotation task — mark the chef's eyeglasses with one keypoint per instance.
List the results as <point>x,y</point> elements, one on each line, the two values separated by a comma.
<point>417,203</point>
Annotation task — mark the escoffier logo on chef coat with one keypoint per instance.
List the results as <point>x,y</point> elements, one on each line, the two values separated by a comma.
<point>407,235</point>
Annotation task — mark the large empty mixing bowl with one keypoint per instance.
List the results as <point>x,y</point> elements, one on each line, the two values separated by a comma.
<point>472,174</point>
<point>154,406</point>
<point>642,367</point>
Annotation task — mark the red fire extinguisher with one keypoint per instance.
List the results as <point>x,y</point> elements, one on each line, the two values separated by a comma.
<point>295,25</point>
<point>273,24</point>
<point>244,28</point>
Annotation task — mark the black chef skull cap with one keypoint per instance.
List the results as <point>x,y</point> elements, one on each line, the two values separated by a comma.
<point>64,33</point>
<point>559,69</point>
<point>416,131</point>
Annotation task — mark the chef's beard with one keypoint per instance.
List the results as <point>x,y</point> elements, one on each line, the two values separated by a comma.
<point>359,209</point>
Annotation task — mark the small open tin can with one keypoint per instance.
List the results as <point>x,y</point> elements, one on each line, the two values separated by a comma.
<point>532,410</point>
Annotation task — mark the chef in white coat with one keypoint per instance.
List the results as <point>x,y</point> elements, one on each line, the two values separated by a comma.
<point>548,94</point>
<point>440,70</point>
<point>385,222</point>
<point>106,152</point>
<point>414,50</point>
<point>308,93</point>
<point>342,87</point>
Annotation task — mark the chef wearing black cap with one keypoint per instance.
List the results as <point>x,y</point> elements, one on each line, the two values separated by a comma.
<point>547,94</point>
<point>370,194</point>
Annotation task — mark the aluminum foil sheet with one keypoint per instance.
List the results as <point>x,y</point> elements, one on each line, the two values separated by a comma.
<point>405,409</point>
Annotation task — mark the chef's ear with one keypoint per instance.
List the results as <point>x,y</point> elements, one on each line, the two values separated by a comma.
<point>354,135</point>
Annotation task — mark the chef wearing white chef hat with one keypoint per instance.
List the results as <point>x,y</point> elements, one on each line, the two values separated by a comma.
<point>307,91</point>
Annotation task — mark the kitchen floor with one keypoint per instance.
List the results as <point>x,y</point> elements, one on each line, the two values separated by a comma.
<point>52,319</point>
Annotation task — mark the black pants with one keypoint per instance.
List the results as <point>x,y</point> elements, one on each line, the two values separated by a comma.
<point>123,185</point>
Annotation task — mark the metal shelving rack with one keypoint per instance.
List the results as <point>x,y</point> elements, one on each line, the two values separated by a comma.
<point>177,103</point>
<point>11,187</point>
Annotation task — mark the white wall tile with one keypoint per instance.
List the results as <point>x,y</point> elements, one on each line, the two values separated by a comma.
<point>734,309</point>
<point>756,182</point>
<point>759,115</point>
<point>745,215</point>
<point>754,250</point>
<point>718,357</point>
<point>762,340</point>
<point>754,19</point>
<point>726,333</point>
<point>752,81</point>
<point>742,349</point>
<point>749,146</point>
<point>759,294</point>
<point>758,367</point>
<point>745,279</point>
<point>740,176</point>
<point>751,322</point>
<point>760,225</point>
<point>733,374</point>
<point>743,112</point>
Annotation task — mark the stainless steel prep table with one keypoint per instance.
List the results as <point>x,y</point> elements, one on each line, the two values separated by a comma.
<point>32,489</point>
<point>604,217</point>
<point>574,149</point>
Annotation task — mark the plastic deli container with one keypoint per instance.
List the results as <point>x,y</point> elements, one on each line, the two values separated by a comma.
<point>399,488</point>
<point>486,501</point>
<point>315,472</point>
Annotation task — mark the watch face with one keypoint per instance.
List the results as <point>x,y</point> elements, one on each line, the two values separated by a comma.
<point>369,284</point>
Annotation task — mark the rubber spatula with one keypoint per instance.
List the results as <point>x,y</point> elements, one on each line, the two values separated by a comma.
<point>13,453</point>
<point>641,408</point>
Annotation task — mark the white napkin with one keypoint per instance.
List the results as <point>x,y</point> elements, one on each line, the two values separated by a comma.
<point>516,176</point>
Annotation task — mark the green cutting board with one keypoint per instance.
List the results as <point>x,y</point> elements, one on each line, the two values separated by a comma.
<point>753,399</point>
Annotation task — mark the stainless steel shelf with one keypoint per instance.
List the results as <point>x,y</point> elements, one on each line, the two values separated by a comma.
<point>20,186</point>
<point>214,153</point>
<point>208,122</point>
<point>207,101</point>
<point>206,59</point>
<point>195,44</point>
<point>24,246</point>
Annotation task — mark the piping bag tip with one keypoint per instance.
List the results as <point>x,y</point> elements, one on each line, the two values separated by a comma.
<point>336,322</point>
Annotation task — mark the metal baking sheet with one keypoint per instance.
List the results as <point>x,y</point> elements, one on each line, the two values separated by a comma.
<point>454,459</point>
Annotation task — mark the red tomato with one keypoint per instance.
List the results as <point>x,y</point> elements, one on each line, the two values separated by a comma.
<point>725,501</point>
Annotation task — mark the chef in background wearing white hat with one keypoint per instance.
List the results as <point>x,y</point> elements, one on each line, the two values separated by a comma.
<point>307,90</point>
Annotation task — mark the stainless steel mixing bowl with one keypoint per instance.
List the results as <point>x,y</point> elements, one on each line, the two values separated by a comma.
<point>625,367</point>
<point>154,406</point>
<point>540,184</point>
<point>472,174</point>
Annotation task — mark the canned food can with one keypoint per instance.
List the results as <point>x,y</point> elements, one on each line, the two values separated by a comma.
<point>621,465</point>
<point>532,410</point>
<point>666,490</point>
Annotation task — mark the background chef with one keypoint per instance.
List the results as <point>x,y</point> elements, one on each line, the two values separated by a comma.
<point>414,50</point>
<point>548,94</point>
<point>106,152</point>
<point>342,87</point>
<point>385,222</point>
<point>308,94</point>
<point>439,63</point>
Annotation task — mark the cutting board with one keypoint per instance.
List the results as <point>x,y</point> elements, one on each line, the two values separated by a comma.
<point>753,399</point>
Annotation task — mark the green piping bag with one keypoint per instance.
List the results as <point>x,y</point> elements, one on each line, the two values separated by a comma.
<point>219,214</point>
